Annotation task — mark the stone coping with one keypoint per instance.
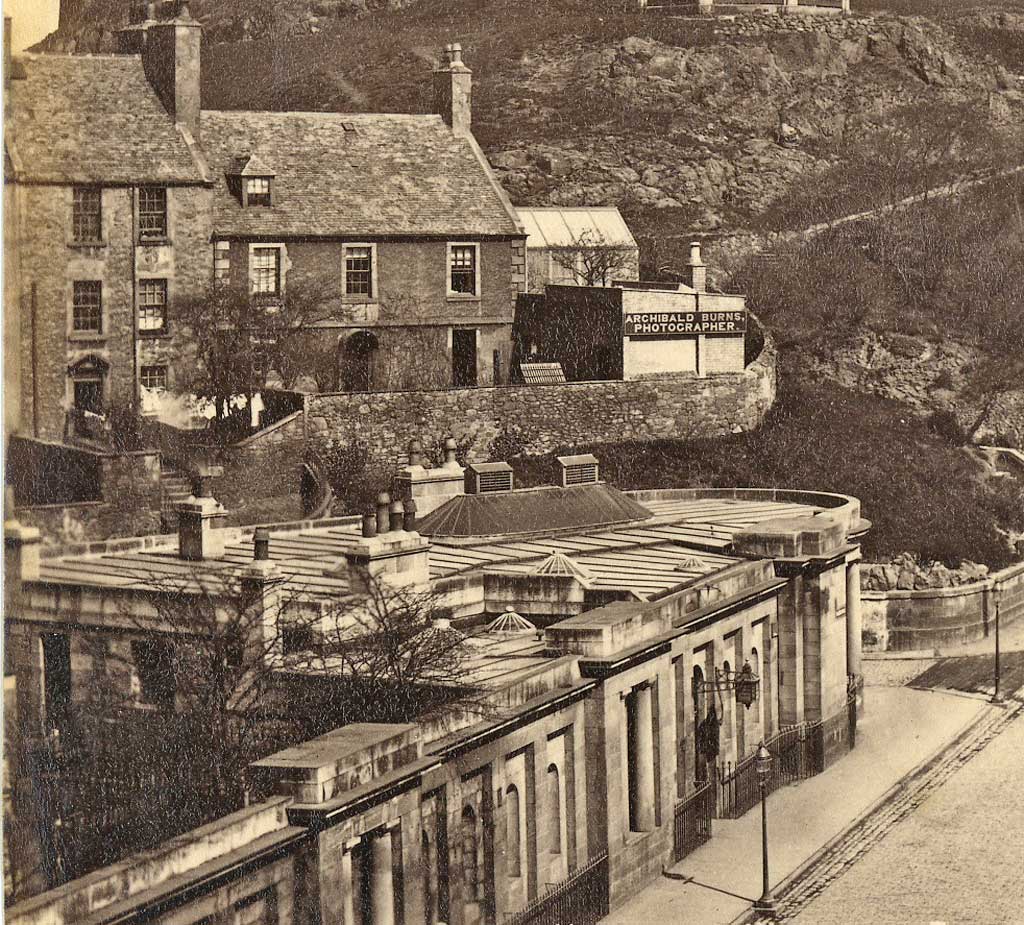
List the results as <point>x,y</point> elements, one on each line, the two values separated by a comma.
<point>270,428</point>
<point>162,540</point>
<point>151,867</point>
<point>845,507</point>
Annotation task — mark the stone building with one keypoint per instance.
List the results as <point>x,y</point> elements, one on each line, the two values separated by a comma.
<point>636,617</point>
<point>127,197</point>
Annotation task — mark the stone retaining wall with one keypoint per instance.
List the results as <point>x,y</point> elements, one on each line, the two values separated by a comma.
<point>130,496</point>
<point>542,418</point>
<point>902,621</point>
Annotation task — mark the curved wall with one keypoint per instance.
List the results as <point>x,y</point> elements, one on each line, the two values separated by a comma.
<point>542,418</point>
<point>902,621</point>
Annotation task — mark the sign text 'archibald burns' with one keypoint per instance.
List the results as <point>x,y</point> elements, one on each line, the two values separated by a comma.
<point>660,324</point>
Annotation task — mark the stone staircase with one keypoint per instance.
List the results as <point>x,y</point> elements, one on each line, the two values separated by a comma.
<point>175,487</point>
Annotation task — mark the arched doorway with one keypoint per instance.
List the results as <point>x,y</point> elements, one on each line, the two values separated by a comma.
<point>88,394</point>
<point>357,361</point>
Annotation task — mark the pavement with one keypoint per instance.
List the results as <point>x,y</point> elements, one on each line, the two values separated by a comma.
<point>900,730</point>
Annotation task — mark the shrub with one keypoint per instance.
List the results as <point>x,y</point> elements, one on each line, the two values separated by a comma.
<point>945,425</point>
<point>356,480</point>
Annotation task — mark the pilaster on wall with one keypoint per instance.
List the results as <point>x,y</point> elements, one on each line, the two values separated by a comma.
<point>811,617</point>
<point>791,653</point>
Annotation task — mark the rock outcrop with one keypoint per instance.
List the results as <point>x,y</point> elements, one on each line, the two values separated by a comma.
<point>905,573</point>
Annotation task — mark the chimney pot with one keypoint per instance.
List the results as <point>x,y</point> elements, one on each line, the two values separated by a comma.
<point>383,521</point>
<point>415,451</point>
<point>261,545</point>
<point>450,448</point>
<point>454,53</point>
<point>696,272</point>
<point>369,525</point>
<point>409,520</point>
<point>396,512</point>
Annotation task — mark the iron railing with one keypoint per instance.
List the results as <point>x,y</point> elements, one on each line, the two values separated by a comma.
<point>798,752</point>
<point>693,821</point>
<point>580,899</point>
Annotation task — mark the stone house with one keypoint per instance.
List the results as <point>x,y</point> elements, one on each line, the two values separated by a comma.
<point>645,609</point>
<point>128,198</point>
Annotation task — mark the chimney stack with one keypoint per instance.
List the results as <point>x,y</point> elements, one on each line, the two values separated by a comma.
<point>199,521</point>
<point>696,271</point>
<point>170,51</point>
<point>453,91</point>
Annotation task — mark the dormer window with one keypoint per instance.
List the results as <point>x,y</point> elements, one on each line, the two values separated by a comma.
<point>257,191</point>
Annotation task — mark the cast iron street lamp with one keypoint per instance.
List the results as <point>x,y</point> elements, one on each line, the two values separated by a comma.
<point>763,764</point>
<point>997,696</point>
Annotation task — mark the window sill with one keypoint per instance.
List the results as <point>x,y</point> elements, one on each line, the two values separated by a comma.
<point>351,299</point>
<point>87,337</point>
<point>154,333</point>
<point>163,241</point>
<point>462,297</point>
<point>86,245</point>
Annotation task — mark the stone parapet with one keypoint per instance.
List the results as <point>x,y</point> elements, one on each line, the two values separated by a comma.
<point>929,619</point>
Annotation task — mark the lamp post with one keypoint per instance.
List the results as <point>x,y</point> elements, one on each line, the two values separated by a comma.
<point>763,765</point>
<point>997,696</point>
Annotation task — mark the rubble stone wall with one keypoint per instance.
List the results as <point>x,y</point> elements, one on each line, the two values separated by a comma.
<point>545,417</point>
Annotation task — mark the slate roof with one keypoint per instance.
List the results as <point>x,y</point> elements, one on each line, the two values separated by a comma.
<point>355,175</point>
<point>94,119</point>
<point>531,510</point>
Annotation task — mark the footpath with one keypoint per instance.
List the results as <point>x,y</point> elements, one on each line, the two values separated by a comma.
<point>901,730</point>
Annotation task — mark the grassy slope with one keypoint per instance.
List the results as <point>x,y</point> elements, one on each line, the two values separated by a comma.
<point>951,268</point>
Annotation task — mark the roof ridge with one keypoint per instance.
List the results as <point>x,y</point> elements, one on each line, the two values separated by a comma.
<point>70,56</point>
<point>321,114</point>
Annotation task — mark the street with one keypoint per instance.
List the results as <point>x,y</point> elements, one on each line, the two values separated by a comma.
<point>956,857</point>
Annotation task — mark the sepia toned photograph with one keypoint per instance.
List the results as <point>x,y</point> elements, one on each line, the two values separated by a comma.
<point>513,462</point>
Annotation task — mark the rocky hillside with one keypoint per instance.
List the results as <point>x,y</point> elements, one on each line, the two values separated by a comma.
<point>678,121</point>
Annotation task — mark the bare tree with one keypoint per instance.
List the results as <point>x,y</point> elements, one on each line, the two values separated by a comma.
<point>234,338</point>
<point>593,260</point>
<point>212,669</point>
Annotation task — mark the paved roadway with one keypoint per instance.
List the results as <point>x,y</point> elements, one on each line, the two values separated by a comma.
<point>954,855</point>
<point>948,850</point>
